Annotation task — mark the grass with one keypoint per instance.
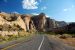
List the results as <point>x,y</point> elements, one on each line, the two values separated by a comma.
<point>68,39</point>
<point>22,35</point>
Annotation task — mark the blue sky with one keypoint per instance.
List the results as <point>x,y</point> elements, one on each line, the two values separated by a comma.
<point>61,10</point>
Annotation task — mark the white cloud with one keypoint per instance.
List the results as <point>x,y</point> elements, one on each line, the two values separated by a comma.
<point>68,9</point>
<point>5,0</point>
<point>35,13</point>
<point>65,9</point>
<point>72,6</point>
<point>43,8</point>
<point>38,14</point>
<point>29,4</point>
<point>47,16</point>
<point>15,12</point>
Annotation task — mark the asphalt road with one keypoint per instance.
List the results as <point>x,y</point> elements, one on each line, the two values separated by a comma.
<point>40,42</point>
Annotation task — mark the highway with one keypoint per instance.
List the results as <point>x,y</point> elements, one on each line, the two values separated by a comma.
<point>39,42</point>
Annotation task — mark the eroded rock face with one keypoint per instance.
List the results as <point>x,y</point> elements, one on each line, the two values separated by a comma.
<point>26,18</point>
<point>50,24</point>
<point>6,16</point>
<point>32,26</point>
<point>18,22</point>
<point>27,22</point>
<point>12,26</point>
<point>21,23</point>
<point>40,22</point>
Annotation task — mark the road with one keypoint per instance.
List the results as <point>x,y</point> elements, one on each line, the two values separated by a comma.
<point>39,42</point>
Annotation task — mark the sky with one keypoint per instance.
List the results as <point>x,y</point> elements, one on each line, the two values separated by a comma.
<point>60,10</point>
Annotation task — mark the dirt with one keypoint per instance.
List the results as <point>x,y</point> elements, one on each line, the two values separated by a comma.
<point>67,41</point>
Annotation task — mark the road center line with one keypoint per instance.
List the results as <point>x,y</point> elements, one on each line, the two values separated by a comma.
<point>41,43</point>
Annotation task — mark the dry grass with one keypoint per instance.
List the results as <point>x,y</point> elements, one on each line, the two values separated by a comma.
<point>67,41</point>
<point>21,35</point>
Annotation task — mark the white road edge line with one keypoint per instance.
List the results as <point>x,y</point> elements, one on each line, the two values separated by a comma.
<point>41,43</point>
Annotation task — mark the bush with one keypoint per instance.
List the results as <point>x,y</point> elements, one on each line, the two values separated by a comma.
<point>64,36</point>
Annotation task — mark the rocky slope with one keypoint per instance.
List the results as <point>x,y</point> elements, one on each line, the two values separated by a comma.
<point>27,22</point>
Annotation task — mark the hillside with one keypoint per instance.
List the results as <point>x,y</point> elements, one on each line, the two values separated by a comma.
<point>27,22</point>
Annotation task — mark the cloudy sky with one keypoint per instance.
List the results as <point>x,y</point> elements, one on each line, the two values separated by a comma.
<point>61,10</point>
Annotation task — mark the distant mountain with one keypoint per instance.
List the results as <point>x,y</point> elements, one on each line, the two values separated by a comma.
<point>61,23</point>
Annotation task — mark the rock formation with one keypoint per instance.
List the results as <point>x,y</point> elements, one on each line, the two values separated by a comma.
<point>26,18</point>
<point>27,22</point>
<point>40,21</point>
<point>6,21</point>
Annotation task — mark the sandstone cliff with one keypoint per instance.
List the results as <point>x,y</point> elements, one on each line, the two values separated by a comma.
<point>27,22</point>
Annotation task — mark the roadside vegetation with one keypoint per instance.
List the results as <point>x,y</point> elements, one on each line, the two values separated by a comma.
<point>65,37</point>
<point>64,34</point>
<point>21,35</point>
